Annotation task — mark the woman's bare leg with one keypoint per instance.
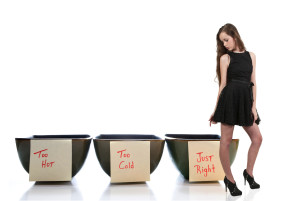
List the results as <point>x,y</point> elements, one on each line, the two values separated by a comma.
<point>226,138</point>
<point>256,139</point>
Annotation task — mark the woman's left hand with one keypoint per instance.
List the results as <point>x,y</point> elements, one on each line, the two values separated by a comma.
<point>254,112</point>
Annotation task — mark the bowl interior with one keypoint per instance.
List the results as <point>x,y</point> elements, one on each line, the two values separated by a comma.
<point>127,137</point>
<point>194,136</point>
<point>73,136</point>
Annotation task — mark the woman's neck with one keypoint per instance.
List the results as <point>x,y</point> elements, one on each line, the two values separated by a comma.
<point>237,50</point>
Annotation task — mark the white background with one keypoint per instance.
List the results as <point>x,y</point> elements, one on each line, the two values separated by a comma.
<point>144,67</point>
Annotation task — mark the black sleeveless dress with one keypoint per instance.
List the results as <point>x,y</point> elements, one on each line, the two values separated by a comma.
<point>236,99</point>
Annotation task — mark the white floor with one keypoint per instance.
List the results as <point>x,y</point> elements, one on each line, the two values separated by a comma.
<point>277,174</point>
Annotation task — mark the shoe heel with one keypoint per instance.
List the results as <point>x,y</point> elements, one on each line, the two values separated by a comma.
<point>245,181</point>
<point>225,187</point>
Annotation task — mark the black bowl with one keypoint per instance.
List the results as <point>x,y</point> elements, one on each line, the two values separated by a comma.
<point>80,148</point>
<point>102,148</point>
<point>178,148</point>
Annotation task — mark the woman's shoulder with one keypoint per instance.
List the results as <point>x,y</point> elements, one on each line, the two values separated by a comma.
<point>225,59</point>
<point>252,54</point>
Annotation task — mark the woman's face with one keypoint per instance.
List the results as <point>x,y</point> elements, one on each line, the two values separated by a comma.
<point>228,41</point>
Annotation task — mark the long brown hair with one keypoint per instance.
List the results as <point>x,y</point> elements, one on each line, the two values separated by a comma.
<point>232,31</point>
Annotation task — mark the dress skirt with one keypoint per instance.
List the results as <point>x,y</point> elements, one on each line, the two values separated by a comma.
<point>235,104</point>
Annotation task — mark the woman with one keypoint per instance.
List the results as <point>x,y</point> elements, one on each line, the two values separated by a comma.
<point>236,102</point>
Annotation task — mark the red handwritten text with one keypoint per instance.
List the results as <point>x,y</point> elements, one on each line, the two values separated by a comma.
<point>205,158</point>
<point>45,164</point>
<point>123,164</point>
<point>203,170</point>
<point>130,165</point>
<point>123,155</point>
<point>44,155</point>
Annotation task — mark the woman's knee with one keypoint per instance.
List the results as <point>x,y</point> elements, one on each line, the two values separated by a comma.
<point>257,139</point>
<point>225,142</point>
<point>260,138</point>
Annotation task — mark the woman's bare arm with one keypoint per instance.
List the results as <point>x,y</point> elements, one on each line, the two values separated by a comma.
<point>253,78</point>
<point>224,63</point>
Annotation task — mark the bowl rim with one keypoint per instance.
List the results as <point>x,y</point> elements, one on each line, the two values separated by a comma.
<point>57,137</point>
<point>128,139</point>
<point>96,138</point>
<point>176,139</point>
<point>181,138</point>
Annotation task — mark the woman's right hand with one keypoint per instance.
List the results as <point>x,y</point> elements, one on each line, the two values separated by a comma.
<point>211,120</point>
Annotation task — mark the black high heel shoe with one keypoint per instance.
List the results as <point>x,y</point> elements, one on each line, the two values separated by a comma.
<point>234,191</point>
<point>252,183</point>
